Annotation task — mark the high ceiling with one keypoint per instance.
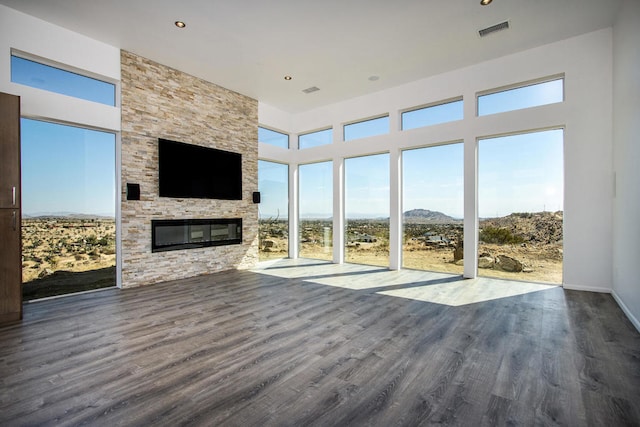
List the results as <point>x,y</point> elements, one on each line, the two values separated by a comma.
<point>339,46</point>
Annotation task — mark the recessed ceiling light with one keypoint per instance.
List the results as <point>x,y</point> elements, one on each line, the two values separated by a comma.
<point>180,24</point>
<point>485,2</point>
<point>288,77</point>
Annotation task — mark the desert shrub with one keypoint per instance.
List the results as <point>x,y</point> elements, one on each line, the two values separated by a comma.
<point>499,235</point>
<point>52,260</point>
<point>525,215</point>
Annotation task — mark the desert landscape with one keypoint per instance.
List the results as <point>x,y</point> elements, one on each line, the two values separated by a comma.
<point>64,254</point>
<point>520,246</point>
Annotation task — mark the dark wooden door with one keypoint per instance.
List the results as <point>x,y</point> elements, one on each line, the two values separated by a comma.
<point>10,214</point>
<point>9,151</point>
<point>10,268</point>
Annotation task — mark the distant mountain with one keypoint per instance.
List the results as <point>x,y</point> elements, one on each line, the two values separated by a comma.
<point>425,215</point>
<point>65,215</point>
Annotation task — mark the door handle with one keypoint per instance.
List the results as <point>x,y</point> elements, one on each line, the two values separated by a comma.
<point>13,195</point>
<point>14,218</point>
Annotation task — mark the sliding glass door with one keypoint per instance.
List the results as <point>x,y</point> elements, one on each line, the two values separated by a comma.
<point>433,208</point>
<point>316,210</point>
<point>273,221</point>
<point>520,200</point>
<point>367,210</point>
<point>68,199</point>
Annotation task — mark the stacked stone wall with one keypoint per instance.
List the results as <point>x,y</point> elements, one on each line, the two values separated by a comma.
<point>161,102</point>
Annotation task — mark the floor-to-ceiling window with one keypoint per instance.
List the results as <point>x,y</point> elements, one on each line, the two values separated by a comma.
<point>68,224</point>
<point>433,208</point>
<point>431,202</point>
<point>316,210</point>
<point>273,225</point>
<point>520,202</point>
<point>367,210</point>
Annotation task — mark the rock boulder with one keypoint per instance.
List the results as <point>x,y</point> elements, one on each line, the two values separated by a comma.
<point>508,264</point>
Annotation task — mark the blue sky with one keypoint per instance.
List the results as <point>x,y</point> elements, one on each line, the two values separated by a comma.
<point>522,97</point>
<point>67,169</point>
<point>519,173</point>
<point>366,181</point>
<point>316,190</point>
<point>428,116</point>
<point>274,188</point>
<point>272,137</point>
<point>366,128</point>
<point>433,179</point>
<point>34,74</point>
<point>315,139</point>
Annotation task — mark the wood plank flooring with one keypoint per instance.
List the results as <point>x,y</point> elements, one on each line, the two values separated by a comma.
<point>306,343</point>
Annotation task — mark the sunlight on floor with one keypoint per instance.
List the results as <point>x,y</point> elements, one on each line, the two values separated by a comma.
<point>464,292</point>
<point>424,286</point>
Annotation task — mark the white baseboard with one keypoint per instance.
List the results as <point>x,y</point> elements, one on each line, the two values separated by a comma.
<point>626,310</point>
<point>586,288</point>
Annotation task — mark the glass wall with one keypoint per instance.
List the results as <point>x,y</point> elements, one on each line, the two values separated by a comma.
<point>316,210</point>
<point>520,202</point>
<point>273,222</point>
<point>433,208</point>
<point>68,205</point>
<point>432,196</point>
<point>367,210</point>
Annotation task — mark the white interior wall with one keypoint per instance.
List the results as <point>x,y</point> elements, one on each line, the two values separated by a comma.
<point>626,147</point>
<point>586,114</point>
<point>40,38</point>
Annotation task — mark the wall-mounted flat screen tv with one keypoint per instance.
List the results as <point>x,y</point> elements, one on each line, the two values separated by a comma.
<point>196,172</point>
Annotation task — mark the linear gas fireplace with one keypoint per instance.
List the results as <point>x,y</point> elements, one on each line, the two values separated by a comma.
<point>175,234</point>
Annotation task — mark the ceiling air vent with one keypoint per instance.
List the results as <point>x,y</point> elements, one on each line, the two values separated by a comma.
<point>492,29</point>
<point>311,89</point>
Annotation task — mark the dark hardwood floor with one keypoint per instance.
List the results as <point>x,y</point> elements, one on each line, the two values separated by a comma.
<point>298,343</point>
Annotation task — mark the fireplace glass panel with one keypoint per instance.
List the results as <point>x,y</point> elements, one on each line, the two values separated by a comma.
<point>169,235</point>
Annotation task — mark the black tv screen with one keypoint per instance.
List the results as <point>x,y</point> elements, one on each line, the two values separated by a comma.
<point>193,171</point>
